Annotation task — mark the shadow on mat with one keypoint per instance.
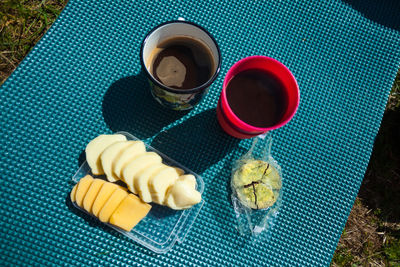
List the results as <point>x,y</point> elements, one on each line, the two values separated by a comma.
<point>196,143</point>
<point>81,158</point>
<point>380,189</point>
<point>89,219</point>
<point>220,194</point>
<point>129,106</point>
<point>96,223</point>
<point>384,12</point>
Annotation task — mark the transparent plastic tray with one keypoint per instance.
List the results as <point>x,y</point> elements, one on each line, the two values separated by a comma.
<point>162,227</point>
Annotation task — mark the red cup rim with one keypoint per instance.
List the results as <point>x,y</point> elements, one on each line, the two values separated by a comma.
<point>241,123</point>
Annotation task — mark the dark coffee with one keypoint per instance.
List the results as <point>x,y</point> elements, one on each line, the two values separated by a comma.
<point>257,97</point>
<point>182,63</point>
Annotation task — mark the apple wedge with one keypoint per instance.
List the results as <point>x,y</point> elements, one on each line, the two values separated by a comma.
<point>82,188</point>
<point>129,212</point>
<point>91,194</point>
<point>182,194</point>
<point>96,147</point>
<point>160,182</point>
<point>109,155</point>
<point>111,204</point>
<point>141,162</point>
<point>135,149</point>
<point>142,181</point>
<point>103,195</point>
<point>73,192</point>
<point>188,178</point>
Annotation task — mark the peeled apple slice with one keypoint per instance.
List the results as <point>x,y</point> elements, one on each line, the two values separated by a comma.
<point>136,165</point>
<point>82,188</point>
<point>182,194</point>
<point>96,147</point>
<point>108,157</point>
<point>179,171</point>
<point>111,204</point>
<point>129,212</point>
<point>188,178</point>
<point>159,183</point>
<point>128,154</point>
<point>91,194</point>
<point>144,174</point>
<point>142,181</point>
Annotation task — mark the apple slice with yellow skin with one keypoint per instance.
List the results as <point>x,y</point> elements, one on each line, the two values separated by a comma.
<point>103,195</point>
<point>111,204</point>
<point>91,194</point>
<point>82,188</point>
<point>73,192</point>
<point>129,212</point>
<point>96,147</point>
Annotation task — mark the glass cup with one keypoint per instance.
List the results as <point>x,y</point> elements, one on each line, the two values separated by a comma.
<point>236,127</point>
<point>173,98</point>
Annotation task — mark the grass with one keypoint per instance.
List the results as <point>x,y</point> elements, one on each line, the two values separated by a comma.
<point>372,233</point>
<point>22,24</point>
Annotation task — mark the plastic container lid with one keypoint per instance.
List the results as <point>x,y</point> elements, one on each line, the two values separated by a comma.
<point>163,226</point>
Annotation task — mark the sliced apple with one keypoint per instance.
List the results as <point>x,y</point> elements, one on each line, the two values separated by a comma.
<point>135,149</point>
<point>129,212</point>
<point>142,180</point>
<point>188,178</point>
<point>96,147</point>
<point>91,194</point>
<point>179,171</point>
<point>82,188</point>
<point>109,155</point>
<point>182,194</point>
<point>141,162</point>
<point>111,204</point>
<point>104,194</point>
<point>73,192</point>
<point>159,183</point>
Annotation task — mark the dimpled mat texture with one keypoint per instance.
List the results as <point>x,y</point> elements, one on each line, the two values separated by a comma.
<point>84,78</point>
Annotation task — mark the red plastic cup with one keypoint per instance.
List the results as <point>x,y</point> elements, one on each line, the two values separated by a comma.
<point>234,126</point>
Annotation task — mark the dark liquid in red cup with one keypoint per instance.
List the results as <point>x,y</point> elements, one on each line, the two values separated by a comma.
<point>257,97</point>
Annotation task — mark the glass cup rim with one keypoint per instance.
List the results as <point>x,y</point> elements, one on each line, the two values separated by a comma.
<point>181,91</point>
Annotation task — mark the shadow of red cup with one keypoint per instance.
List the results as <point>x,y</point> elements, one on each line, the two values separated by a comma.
<point>231,123</point>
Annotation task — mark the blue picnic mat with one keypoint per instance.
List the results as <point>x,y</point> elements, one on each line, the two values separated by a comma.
<point>83,78</point>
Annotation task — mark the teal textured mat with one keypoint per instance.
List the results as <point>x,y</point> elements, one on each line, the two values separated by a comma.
<point>83,78</point>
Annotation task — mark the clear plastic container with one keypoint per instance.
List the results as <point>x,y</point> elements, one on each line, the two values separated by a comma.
<point>163,226</point>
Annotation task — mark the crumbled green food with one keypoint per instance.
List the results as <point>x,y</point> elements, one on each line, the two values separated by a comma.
<point>257,184</point>
<point>273,179</point>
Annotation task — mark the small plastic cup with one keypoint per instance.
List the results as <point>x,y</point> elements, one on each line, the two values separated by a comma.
<point>231,123</point>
